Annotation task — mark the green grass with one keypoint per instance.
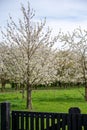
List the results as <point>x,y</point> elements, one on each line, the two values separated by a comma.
<point>59,100</point>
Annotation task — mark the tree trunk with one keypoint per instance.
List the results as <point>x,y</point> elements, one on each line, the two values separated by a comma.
<point>3,87</point>
<point>3,83</point>
<point>85,84</point>
<point>23,93</point>
<point>29,98</point>
<point>85,93</point>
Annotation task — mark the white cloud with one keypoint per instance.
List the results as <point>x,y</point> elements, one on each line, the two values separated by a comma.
<point>60,8</point>
<point>65,26</point>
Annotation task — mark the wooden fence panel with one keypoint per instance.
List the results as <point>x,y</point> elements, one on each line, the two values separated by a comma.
<point>84,118</point>
<point>42,122</point>
<point>15,121</point>
<point>58,126</point>
<point>37,122</point>
<point>48,121</point>
<point>27,122</point>
<point>79,122</point>
<point>64,122</point>
<point>22,120</point>
<point>69,122</point>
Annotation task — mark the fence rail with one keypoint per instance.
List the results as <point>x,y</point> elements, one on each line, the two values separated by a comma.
<point>23,120</point>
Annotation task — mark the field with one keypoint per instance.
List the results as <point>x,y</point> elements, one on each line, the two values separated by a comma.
<point>58,100</point>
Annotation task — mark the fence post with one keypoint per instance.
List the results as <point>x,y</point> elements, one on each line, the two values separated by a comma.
<point>74,110</point>
<point>74,122</point>
<point>5,116</point>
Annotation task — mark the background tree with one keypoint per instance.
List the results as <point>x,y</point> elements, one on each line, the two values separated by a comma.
<point>28,51</point>
<point>3,71</point>
<point>77,42</point>
<point>66,68</point>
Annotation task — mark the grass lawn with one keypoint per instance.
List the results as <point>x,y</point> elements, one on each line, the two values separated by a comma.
<point>59,100</point>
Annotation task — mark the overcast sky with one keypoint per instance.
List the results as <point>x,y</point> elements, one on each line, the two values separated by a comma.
<point>64,14</point>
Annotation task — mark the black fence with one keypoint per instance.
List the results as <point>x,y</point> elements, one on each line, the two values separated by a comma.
<point>23,120</point>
